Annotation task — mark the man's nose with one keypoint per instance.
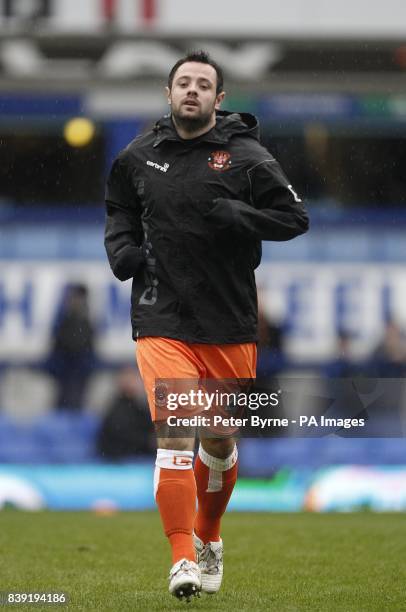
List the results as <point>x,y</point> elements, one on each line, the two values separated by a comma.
<point>192,90</point>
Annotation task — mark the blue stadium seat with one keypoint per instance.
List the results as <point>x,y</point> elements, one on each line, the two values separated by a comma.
<point>55,437</point>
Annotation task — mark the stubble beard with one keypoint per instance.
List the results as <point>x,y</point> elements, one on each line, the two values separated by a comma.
<point>192,124</point>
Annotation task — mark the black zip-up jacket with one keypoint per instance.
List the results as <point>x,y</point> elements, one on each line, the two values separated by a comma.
<point>185,220</point>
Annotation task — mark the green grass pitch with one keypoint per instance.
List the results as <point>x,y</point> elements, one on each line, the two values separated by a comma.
<point>289,562</point>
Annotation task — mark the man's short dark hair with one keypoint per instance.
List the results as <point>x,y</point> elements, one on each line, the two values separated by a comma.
<point>204,58</point>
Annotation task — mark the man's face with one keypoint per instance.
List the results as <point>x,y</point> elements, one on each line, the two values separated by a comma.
<point>193,95</point>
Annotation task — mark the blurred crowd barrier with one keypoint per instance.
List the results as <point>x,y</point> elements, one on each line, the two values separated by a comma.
<point>285,476</point>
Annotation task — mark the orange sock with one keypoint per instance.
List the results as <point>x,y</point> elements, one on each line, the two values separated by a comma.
<point>215,480</point>
<point>175,495</point>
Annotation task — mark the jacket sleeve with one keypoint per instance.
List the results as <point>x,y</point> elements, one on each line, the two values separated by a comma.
<point>275,211</point>
<point>123,231</point>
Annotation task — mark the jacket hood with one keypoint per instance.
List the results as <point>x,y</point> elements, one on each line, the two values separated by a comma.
<point>227,124</point>
<point>238,123</point>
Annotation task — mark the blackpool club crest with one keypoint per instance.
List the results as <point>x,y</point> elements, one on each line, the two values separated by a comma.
<point>220,161</point>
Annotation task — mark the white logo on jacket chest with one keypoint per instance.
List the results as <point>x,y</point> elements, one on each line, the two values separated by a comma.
<point>163,168</point>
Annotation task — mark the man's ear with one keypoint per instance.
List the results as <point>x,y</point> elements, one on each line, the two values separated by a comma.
<point>219,100</point>
<point>168,94</point>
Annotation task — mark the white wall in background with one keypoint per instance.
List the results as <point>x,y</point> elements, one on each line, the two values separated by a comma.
<point>290,18</point>
<point>296,18</point>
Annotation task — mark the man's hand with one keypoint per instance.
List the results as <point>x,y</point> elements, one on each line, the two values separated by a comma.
<point>220,214</point>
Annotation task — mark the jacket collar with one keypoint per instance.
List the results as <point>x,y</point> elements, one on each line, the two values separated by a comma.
<point>227,124</point>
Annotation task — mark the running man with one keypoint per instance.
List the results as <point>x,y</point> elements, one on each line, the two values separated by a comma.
<point>188,205</point>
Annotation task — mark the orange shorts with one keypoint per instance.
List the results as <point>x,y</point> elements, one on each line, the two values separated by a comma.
<point>164,358</point>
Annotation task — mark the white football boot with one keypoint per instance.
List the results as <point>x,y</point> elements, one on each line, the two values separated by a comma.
<point>210,559</point>
<point>185,580</point>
